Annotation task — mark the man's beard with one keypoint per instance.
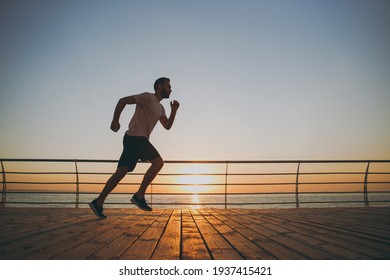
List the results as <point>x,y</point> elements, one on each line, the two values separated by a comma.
<point>165,94</point>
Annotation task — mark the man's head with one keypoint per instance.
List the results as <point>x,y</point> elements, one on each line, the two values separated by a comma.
<point>163,86</point>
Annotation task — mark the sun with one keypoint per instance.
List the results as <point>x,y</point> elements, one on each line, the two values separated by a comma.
<point>195,178</point>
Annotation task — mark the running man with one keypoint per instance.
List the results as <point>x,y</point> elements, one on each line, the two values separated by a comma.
<point>136,143</point>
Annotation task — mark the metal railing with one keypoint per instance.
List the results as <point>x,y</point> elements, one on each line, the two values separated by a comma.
<point>266,183</point>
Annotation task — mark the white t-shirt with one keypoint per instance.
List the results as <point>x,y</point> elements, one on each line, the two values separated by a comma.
<point>147,113</point>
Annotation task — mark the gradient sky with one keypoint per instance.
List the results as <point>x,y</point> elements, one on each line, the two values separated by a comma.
<point>256,80</point>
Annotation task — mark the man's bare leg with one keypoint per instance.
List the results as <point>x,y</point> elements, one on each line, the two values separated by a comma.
<point>149,176</point>
<point>119,174</point>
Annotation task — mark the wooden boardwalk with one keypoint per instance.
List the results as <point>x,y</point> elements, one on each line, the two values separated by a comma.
<point>326,233</point>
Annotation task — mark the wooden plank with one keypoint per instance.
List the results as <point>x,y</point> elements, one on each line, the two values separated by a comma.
<point>305,237</point>
<point>366,218</point>
<point>38,241</point>
<point>87,230</point>
<point>91,234</point>
<point>247,249</point>
<point>323,236</point>
<point>48,244</point>
<point>22,227</point>
<point>218,246</point>
<point>168,248</point>
<point>279,235</point>
<point>114,249</point>
<point>37,246</point>
<point>85,249</point>
<point>193,246</point>
<point>255,232</point>
<point>143,247</point>
<point>348,227</point>
<point>347,245</point>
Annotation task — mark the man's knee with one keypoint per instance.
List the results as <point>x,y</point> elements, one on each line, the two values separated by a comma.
<point>122,171</point>
<point>158,162</point>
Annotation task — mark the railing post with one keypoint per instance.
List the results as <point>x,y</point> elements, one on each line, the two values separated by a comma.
<point>4,189</point>
<point>296,187</point>
<point>151,194</point>
<point>226,186</point>
<point>77,185</point>
<point>365,192</point>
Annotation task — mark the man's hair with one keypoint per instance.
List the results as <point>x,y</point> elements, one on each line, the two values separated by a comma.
<point>160,81</point>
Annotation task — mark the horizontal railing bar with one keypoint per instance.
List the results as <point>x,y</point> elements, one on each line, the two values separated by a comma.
<point>267,184</point>
<point>202,184</point>
<point>271,174</point>
<point>157,203</point>
<point>40,202</point>
<point>57,160</point>
<point>199,204</point>
<point>198,161</point>
<point>201,174</point>
<point>220,203</point>
<point>202,193</point>
<point>338,202</point>
<point>204,204</point>
<point>42,183</point>
<point>38,173</point>
<point>68,173</point>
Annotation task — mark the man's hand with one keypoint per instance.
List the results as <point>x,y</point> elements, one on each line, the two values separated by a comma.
<point>175,105</point>
<point>115,126</point>
<point>167,122</point>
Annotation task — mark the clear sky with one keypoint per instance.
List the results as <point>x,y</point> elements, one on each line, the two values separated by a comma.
<point>256,80</point>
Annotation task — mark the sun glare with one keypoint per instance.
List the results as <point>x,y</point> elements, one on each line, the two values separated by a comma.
<point>195,178</point>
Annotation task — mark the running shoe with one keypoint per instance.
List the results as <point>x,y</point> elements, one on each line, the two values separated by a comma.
<point>97,209</point>
<point>140,203</point>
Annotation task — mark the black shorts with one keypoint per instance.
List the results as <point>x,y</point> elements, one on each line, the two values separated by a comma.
<point>136,148</point>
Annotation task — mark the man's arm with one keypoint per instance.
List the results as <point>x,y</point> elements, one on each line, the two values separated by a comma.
<point>115,125</point>
<point>168,122</point>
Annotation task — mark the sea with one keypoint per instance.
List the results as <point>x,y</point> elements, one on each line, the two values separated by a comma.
<point>202,200</point>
